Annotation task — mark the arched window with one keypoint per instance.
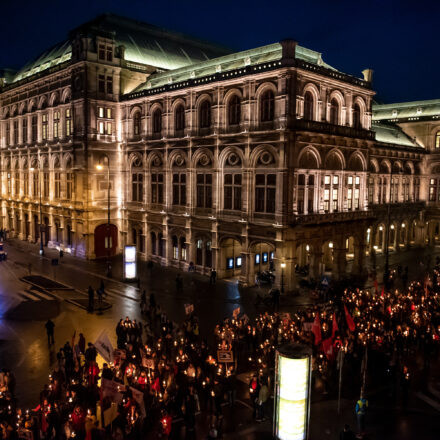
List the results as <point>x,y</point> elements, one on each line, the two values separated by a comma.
<point>179,118</point>
<point>308,106</point>
<point>234,110</point>
<point>357,116</point>
<point>137,123</point>
<point>205,114</point>
<point>437,140</point>
<point>334,112</point>
<point>267,109</point>
<point>157,121</point>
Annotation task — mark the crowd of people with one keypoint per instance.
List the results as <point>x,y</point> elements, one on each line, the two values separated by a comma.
<point>161,371</point>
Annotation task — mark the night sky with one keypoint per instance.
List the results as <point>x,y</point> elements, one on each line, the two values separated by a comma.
<point>395,38</point>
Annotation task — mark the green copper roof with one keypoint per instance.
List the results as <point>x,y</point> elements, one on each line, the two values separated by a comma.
<point>55,55</point>
<point>143,43</point>
<point>260,55</point>
<point>404,110</point>
<point>392,134</point>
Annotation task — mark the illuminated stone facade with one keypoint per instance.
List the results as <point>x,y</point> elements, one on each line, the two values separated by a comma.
<point>237,162</point>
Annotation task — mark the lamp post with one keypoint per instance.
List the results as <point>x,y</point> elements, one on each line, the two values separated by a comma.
<point>283,266</point>
<point>100,167</point>
<point>41,210</point>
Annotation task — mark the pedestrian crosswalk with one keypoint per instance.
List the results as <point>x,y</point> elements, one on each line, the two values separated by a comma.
<point>26,295</point>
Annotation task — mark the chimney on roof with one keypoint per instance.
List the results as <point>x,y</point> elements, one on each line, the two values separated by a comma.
<point>289,48</point>
<point>368,75</point>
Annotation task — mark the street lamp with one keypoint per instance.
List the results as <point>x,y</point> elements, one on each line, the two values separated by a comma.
<point>41,211</point>
<point>283,266</point>
<point>100,167</point>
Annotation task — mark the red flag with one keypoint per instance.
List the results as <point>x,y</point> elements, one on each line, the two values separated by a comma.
<point>383,292</point>
<point>327,348</point>
<point>349,319</point>
<point>335,327</point>
<point>316,329</point>
<point>376,286</point>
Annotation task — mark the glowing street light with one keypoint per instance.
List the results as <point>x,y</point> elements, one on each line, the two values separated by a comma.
<point>100,167</point>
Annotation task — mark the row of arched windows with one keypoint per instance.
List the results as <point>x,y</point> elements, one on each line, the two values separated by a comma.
<point>334,111</point>
<point>266,112</point>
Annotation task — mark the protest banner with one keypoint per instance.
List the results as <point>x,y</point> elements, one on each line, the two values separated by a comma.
<point>225,356</point>
<point>138,396</point>
<point>113,390</point>
<point>110,414</point>
<point>104,347</point>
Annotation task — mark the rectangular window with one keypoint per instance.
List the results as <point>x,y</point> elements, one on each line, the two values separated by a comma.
<point>101,52</point>
<point>101,83</point>
<point>109,128</point>
<point>8,133</point>
<point>356,198</point>
<point>335,180</point>
<point>109,113</point>
<point>204,190</point>
<point>327,200</point>
<point>69,185</point>
<point>335,200</point>
<point>265,192</point>
<point>179,189</point>
<point>349,199</point>
<point>34,128</point>
<point>232,191</point>
<point>44,126</point>
<point>15,135</point>
<point>36,184</point>
<point>57,185</point>
<point>25,183</point>
<point>137,187</point>
<point>24,134</point>
<point>109,54</point>
<point>68,122</point>
<point>17,184</point>
<point>100,112</point>
<point>157,188</point>
<point>46,184</point>
<point>9,184</point>
<point>350,180</point>
<point>101,127</point>
<point>110,85</point>
<point>56,124</point>
<point>326,180</point>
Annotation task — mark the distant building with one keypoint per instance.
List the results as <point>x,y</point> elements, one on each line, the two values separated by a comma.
<point>233,161</point>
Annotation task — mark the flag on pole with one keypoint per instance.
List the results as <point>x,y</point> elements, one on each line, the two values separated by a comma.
<point>327,347</point>
<point>316,329</point>
<point>104,347</point>
<point>349,319</point>
<point>376,286</point>
<point>335,327</point>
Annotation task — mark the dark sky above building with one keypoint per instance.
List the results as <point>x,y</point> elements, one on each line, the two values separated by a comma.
<point>396,38</point>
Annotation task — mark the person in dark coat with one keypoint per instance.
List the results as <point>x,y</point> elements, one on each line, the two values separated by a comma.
<point>91,293</point>
<point>50,331</point>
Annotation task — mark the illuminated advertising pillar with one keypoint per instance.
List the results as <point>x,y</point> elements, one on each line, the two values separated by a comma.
<point>293,373</point>
<point>130,262</point>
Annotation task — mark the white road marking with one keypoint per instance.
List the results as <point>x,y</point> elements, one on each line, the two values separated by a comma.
<point>28,296</point>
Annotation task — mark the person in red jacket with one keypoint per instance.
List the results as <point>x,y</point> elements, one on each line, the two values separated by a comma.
<point>166,422</point>
<point>79,422</point>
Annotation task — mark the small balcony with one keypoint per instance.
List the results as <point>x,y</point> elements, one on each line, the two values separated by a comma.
<point>339,130</point>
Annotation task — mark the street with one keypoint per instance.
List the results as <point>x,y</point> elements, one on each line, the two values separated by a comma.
<point>24,348</point>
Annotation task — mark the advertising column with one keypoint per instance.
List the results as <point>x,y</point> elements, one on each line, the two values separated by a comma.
<point>292,392</point>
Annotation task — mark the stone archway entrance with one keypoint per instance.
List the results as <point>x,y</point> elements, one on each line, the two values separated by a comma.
<point>230,260</point>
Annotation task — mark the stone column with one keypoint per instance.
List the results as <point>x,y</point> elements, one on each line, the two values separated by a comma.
<point>339,262</point>
<point>359,261</point>
<point>316,262</point>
